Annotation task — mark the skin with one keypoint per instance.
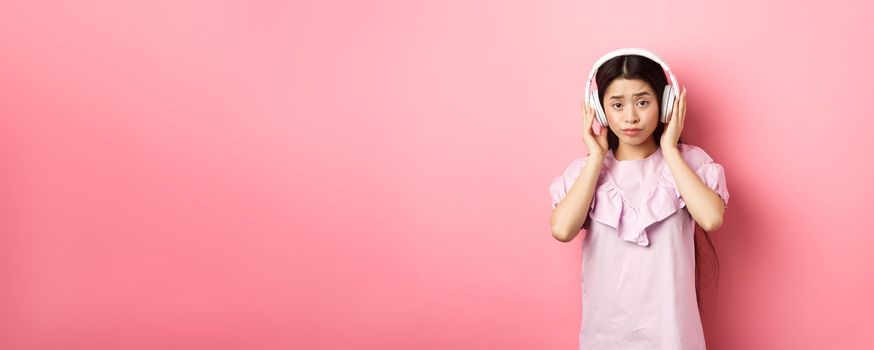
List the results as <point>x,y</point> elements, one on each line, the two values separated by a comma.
<point>638,111</point>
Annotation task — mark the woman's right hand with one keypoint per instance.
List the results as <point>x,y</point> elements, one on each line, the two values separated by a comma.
<point>597,144</point>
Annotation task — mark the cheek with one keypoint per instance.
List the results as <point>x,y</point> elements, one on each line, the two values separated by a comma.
<point>651,113</point>
<point>613,117</point>
<point>613,120</point>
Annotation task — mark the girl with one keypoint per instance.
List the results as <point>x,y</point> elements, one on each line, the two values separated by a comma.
<point>639,194</point>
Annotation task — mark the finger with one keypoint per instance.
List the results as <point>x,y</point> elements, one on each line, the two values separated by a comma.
<point>595,122</point>
<point>683,105</point>
<point>587,123</point>
<point>680,105</point>
<point>591,114</point>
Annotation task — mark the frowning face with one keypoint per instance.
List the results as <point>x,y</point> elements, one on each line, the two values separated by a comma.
<point>632,110</point>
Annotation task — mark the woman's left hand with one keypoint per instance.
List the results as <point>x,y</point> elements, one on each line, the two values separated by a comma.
<point>671,135</point>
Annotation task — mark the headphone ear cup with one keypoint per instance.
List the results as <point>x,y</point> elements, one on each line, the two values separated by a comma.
<point>667,104</point>
<point>599,111</point>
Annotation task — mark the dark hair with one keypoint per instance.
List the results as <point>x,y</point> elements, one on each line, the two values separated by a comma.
<point>643,68</point>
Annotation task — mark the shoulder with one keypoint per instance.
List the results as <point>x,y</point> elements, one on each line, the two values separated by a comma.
<point>694,156</point>
<point>573,168</point>
<point>561,183</point>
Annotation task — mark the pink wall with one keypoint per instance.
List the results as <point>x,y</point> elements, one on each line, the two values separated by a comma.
<point>373,175</point>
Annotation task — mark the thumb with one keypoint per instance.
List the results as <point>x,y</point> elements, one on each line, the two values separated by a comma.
<point>600,131</point>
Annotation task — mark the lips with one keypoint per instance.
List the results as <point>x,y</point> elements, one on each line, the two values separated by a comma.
<point>631,132</point>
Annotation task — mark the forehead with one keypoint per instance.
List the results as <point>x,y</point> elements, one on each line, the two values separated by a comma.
<point>627,87</point>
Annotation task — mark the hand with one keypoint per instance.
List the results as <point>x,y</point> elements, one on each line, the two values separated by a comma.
<point>597,144</point>
<point>672,132</point>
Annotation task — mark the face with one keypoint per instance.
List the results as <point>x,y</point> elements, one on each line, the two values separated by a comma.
<point>631,104</point>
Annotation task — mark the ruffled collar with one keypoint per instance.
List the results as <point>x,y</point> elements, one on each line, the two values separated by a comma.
<point>629,220</point>
<point>611,158</point>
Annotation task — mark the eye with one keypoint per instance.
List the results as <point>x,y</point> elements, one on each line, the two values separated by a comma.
<point>615,104</point>
<point>645,102</point>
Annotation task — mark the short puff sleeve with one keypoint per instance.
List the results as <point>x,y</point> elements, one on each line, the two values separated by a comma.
<point>709,171</point>
<point>560,185</point>
<point>713,175</point>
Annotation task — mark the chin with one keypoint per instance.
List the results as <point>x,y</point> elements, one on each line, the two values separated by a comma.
<point>633,141</point>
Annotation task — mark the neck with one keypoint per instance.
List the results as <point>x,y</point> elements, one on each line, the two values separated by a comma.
<point>635,152</point>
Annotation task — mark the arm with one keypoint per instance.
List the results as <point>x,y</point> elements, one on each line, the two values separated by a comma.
<point>569,215</point>
<point>706,207</point>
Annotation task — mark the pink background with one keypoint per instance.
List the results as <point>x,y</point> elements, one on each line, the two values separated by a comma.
<point>373,174</point>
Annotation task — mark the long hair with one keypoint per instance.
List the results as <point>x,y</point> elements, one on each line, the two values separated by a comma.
<point>643,68</point>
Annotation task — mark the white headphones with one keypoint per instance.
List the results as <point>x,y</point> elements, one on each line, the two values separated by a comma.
<point>667,101</point>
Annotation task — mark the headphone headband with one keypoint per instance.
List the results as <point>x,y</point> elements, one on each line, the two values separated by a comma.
<point>630,51</point>
<point>668,96</point>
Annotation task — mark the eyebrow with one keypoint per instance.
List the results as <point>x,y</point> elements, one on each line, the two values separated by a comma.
<point>637,94</point>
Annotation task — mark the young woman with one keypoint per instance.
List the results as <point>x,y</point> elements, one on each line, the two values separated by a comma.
<point>639,194</point>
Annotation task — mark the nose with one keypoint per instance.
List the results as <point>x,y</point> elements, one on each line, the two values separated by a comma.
<point>631,117</point>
